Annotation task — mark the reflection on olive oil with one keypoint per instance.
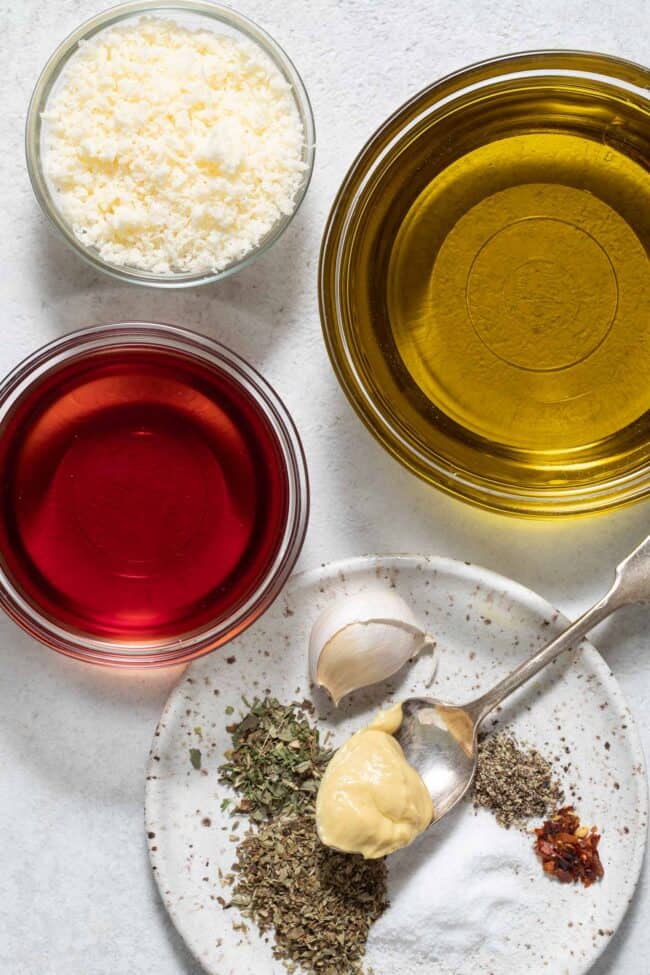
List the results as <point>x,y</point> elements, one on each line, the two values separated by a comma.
<point>518,296</point>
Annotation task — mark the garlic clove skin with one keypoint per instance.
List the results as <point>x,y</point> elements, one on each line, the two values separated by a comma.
<point>365,653</point>
<point>363,639</point>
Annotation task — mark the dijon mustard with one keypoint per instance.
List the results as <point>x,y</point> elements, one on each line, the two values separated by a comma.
<point>371,801</point>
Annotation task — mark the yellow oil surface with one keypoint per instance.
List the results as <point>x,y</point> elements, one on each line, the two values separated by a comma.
<point>518,296</point>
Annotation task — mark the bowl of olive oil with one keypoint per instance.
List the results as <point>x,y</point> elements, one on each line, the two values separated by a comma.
<point>485,283</point>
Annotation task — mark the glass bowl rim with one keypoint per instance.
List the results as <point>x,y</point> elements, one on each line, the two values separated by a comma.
<point>184,647</point>
<point>57,62</point>
<point>495,496</point>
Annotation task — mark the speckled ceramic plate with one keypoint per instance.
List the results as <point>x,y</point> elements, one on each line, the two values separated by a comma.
<point>468,896</point>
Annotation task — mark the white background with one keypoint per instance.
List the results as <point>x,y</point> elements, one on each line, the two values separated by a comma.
<point>76,896</point>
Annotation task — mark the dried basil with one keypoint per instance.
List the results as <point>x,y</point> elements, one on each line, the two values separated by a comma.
<point>276,760</point>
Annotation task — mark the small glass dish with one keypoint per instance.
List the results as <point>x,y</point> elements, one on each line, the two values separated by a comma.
<point>192,14</point>
<point>155,495</point>
<point>484,283</point>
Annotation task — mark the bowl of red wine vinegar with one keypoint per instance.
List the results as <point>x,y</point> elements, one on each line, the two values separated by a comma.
<point>154,495</point>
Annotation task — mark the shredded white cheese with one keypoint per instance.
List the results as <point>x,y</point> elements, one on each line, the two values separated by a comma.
<point>172,150</point>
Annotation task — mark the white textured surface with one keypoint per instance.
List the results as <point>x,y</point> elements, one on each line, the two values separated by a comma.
<point>76,897</point>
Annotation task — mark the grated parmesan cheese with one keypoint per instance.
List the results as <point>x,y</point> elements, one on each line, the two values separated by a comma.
<point>172,150</point>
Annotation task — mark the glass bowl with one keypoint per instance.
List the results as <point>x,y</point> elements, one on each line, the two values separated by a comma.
<point>521,186</point>
<point>191,13</point>
<point>95,525</point>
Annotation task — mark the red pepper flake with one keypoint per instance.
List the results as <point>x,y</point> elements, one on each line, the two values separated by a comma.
<point>568,850</point>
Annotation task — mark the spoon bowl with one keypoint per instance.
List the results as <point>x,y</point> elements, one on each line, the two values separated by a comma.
<point>439,741</point>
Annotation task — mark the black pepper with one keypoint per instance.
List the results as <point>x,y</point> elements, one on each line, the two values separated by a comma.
<point>514,781</point>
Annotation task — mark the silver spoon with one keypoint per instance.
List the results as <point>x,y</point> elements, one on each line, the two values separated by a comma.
<point>440,740</point>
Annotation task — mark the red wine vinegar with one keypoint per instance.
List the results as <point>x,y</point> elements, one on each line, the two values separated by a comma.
<point>144,494</point>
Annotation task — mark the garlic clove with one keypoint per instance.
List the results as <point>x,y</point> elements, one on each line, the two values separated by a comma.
<point>363,639</point>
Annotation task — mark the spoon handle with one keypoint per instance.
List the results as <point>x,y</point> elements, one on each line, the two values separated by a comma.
<point>631,585</point>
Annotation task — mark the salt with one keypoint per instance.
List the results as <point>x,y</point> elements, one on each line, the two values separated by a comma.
<point>455,894</point>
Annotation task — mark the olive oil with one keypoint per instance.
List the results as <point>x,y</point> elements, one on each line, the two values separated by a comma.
<point>485,283</point>
<point>519,294</point>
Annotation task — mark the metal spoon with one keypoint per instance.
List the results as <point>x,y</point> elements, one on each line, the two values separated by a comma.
<point>440,740</point>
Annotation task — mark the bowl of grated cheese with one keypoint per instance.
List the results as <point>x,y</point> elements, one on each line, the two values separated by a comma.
<point>170,143</point>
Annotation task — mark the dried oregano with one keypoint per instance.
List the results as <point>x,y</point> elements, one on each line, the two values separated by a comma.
<point>276,760</point>
<point>320,904</point>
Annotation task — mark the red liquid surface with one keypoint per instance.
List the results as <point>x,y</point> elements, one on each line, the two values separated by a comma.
<point>143,495</point>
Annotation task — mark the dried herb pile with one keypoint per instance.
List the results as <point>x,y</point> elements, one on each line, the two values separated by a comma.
<point>568,850</point>
<point>515,782</point>
<point>319,903</point>
<point>276,760</point>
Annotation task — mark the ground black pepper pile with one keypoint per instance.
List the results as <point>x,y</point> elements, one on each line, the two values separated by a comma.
<point>514,781</point>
